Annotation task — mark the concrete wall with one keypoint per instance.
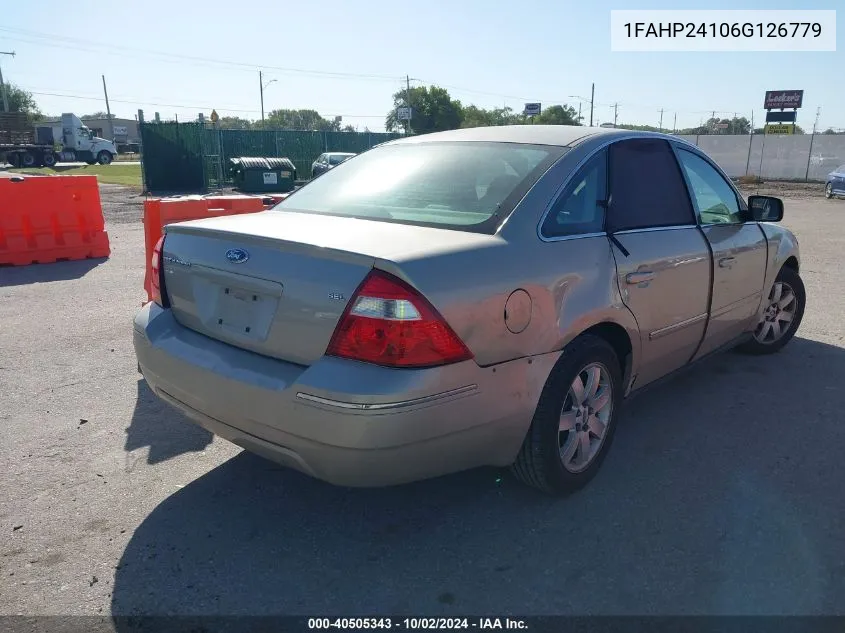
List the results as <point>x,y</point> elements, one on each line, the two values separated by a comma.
<point>783,157</point>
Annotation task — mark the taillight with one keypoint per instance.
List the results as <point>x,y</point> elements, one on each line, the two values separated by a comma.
<point>155,271</point>
<point>390,323</point>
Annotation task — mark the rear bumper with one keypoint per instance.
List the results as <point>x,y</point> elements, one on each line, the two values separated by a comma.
<point>344,422</point>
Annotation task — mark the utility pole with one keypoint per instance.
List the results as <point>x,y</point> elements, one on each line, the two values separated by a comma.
<point>408,103</point>
<point>108,110</point>
<point>750,144</point>
<point>261,83</point>
<point>579,112</point>
<point>615,113</point>
<point>812,139</point>
<point>675,124</point>
<point>661,119</point>
<point>592,98</point>
<point>3,85</point>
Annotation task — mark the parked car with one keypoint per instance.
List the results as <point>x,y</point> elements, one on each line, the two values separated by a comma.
<point>485,296</point>
<point>327,161</point>
<point>835,185</point>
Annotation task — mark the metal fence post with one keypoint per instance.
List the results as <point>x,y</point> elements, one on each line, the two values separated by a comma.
<point>750,143</point>
<point>810,155</point>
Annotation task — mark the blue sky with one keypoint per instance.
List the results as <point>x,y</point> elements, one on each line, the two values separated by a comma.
<point>348,58</point>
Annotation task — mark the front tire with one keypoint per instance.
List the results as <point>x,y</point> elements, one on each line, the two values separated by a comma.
<point>104,158</point>
<point>781,317</point>
<point>573,425</point>
<point>828,190</point>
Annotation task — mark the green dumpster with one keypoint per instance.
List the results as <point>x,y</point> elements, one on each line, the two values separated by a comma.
<point>262,175</point>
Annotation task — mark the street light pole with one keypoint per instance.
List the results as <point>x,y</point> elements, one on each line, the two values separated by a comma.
<point>262,86</point>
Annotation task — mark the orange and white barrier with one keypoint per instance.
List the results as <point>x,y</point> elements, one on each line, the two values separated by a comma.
<point>159,212</point>
<point>48,219</point>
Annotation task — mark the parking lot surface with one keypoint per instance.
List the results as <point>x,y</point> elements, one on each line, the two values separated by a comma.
<point>722,493</point>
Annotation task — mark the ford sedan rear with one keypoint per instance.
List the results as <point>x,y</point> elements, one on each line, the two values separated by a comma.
<point>477,297</point>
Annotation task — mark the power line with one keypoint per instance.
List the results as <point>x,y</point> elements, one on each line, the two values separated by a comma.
<point>60,41</point>
<point>187,107</point>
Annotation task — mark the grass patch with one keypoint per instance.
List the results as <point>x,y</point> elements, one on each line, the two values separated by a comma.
<point>114,174</point>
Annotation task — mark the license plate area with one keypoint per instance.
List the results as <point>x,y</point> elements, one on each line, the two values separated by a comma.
<point>235,306</point>
<point>244,312</point>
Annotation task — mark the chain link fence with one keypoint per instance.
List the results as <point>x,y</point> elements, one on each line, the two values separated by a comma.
<point>194,157</point>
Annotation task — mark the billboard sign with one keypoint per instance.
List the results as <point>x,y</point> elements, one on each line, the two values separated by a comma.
<point>783,99</point>
<point>788,116</point>
<point>404,113</point>
<point>532,109</point>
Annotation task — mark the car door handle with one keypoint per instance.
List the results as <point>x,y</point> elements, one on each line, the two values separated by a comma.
<point>726,262</point>
<point>638,278</point>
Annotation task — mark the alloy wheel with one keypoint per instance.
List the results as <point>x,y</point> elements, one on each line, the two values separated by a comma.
<point>778,315</point>
<point>584,417</point>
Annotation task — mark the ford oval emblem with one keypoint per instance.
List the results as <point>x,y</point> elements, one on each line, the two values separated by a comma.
<point>237,255</point>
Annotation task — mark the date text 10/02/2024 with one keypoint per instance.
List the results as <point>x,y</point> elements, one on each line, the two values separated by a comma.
<point>358,624</point>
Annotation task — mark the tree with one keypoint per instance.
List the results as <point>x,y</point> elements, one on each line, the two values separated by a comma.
<point>433,110</point>
<point>96,115</point>
<point>558,115</point>
<point>473,116</point>
<point>234,123</point>
<point>299,120</point>
<point>22,101</point>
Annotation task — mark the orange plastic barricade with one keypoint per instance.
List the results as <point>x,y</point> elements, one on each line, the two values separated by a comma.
<point>159,212</point>
<point>274,199</point>
<point>45,219</point>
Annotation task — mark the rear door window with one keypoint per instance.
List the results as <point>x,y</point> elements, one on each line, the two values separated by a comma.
<point>646,187</point>
<point>580,209</point>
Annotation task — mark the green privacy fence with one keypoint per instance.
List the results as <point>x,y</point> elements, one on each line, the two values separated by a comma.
<point>194,157</point>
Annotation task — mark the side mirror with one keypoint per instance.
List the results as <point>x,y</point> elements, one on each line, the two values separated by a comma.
<point>765,208</point>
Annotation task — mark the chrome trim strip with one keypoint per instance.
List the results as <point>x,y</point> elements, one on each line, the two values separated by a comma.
<point>651,229</point>
<point>564,238</point>
<point>386,406</point>
<point>669,329</point>
<point>606,143</point>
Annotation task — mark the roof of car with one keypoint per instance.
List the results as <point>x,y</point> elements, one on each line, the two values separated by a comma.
<point>561,135</point>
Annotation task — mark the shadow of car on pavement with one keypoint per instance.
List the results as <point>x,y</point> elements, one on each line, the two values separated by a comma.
<point>721,495</point>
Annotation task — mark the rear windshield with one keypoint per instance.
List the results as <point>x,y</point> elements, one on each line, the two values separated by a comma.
<point>470,186</point>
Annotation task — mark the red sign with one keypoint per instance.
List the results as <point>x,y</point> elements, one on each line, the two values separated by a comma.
<point>783,99</point>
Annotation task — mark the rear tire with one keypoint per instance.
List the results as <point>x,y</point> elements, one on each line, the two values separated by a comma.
<point>49,159</point>
<point>547,460</point>
<point>14,160</point>
<point>104,158</point>
<point>773,332</point>
<point>28,159</point>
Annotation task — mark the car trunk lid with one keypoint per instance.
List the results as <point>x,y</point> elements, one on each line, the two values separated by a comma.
<point>276,282</point>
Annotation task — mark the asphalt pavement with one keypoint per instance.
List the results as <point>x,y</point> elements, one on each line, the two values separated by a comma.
<point>721,494</point>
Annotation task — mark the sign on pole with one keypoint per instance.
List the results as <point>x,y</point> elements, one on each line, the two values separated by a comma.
<point>404,113</point>
<point>783,99</point>
<point>784,128</point>
<point>532,109</point>
<point>787,116</point>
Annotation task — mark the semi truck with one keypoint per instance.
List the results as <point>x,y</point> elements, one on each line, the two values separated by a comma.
<point>25,145</point>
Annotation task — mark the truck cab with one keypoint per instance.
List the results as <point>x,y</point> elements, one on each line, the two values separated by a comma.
<point>77,139</point>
